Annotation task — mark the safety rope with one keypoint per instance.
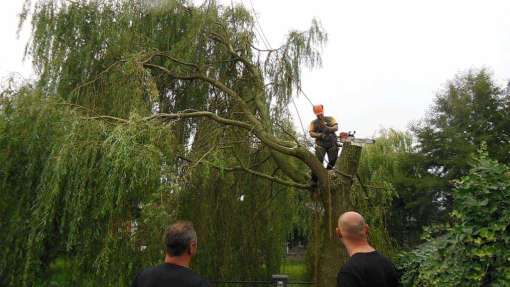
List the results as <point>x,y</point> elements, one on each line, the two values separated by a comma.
<point>300,90</point>
<point>257,22</point>
<point>299,117</point>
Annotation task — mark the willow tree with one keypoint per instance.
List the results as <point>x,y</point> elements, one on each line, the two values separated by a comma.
<point>142,93</point>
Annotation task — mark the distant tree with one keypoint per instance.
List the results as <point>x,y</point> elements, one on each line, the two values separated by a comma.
<point>470,110</point>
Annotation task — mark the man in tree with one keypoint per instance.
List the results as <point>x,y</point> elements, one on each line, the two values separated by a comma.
<point>180,247</point>
<point>365,267</point>
<point>323,130</point>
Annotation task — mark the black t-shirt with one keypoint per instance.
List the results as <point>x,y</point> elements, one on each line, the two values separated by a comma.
<point>367,270</point>
<point>166,275</point>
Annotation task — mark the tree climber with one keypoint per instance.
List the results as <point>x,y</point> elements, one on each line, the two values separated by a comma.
<point>323,130</point>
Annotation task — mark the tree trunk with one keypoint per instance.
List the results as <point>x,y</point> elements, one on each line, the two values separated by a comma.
<point>331,254</point>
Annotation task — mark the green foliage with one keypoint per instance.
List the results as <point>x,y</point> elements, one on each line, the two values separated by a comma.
<point>474,249</point>
<point>380,166</point>
<point>375,204</point>
<point>394,164</point>
<point>87,190</point>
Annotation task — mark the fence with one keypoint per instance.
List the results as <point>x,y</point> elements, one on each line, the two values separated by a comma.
<point>276,280</point>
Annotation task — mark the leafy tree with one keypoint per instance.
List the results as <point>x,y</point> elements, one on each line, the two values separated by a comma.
<point>473,250</point>
<point>471,109</point>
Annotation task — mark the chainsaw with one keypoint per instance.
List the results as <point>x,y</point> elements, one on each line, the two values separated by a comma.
<point>349,137</point>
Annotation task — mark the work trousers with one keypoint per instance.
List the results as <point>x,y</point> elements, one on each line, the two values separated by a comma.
<point>332,153</point>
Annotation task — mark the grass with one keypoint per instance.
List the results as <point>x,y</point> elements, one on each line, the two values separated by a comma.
<point>295,269</point>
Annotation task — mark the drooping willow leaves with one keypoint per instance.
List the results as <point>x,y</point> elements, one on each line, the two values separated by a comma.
<point>90,191</point>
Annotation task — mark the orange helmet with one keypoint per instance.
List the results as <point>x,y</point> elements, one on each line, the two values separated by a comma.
<point>318,110</point>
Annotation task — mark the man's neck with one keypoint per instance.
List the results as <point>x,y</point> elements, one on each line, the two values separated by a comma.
<point>183,260</point>
<point>363,247</point>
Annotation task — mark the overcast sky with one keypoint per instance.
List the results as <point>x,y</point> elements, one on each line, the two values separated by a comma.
<point>385,59</point>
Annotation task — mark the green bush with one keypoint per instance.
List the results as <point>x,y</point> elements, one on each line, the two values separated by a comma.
<point>474,250</point>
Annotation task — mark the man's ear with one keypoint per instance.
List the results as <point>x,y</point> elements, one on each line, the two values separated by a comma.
<point>192,250</point>
<point>338,232</point>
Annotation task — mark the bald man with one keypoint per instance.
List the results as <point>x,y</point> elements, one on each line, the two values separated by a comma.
<point>365,267</point>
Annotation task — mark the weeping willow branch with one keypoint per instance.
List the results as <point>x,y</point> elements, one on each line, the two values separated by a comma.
<point>197,114</point>
<point>219,38</point>
<point>266,50</point>
<point>124,121</point>
<point>166,55</point>
<point>250,171</point>
<point>97,77</point>
<point>179,116</point>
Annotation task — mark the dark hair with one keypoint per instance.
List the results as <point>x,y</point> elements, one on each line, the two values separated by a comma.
<point>178,237</point>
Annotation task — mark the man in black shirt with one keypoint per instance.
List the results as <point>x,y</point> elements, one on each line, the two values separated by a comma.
<point>365,267</point>
<point>180,247</point>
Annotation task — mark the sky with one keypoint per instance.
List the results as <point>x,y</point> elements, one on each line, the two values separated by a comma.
<point>383,64</point>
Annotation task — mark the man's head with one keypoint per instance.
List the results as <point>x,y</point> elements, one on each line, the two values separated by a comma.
<point>352,228</point>
<point>318,110</point>
<point>180,239</point>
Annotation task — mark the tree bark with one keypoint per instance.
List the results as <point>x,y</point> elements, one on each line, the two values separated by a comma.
<point>331,254</point>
